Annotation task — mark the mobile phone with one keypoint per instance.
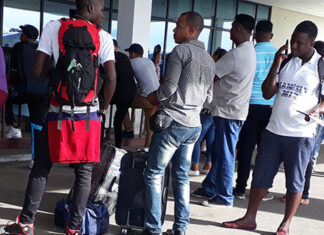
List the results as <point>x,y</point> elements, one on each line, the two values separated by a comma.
<point>286,51</point>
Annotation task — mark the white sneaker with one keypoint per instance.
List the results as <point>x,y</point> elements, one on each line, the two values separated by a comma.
<point>193,173</point>
<point>13,133</point>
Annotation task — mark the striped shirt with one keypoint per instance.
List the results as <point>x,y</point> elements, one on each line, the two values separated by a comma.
<point>265,53</point>
<point>189,82</point>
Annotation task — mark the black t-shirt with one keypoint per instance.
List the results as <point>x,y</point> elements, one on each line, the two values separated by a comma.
<point>126,85</point>
<point>23,56</point>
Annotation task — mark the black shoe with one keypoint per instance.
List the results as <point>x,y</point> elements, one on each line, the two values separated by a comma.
<point>215,203</point>
<point>128,134</point>
<point>200,193</point>
<point>172,232</point>
<point>18,228</point>
<point>239,195</point>
<point>267,197</point>
<point>146,232</point>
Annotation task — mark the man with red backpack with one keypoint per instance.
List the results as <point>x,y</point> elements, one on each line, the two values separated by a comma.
<point>72,133</point>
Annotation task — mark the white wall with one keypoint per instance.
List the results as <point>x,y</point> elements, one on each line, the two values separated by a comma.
<point>285,21</point>
<point>134,20</point>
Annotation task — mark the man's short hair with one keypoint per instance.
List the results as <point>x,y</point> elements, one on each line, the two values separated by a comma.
<point>308,27</point>
<point>264,26</point>
<point>115,43</point>
<point>247,21</point>
<point>80,4</point>
<point>194,19</point>
<point>136,48</point>
<point>220,52</point>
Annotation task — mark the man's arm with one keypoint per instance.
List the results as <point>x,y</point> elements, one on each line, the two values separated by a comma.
<point>318,109</point>
<point>269,85</point>
<point>42,65</point>
<point>169,87</point>
<point>109,83</point>
<point>152,98</point>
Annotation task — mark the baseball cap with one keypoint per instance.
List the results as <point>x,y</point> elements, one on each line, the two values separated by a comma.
<point>30,31</point>
<point>137,48</point>
<point>115,43</point>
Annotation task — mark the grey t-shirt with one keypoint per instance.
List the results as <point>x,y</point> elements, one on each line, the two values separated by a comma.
<point>145,75</point>
<point>232,91</point>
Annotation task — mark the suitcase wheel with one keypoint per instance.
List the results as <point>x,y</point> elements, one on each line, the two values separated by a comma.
<point>125,230</point>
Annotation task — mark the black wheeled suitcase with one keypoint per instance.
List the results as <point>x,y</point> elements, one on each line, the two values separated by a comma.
<point>105,177</point>
<point>131,193</point>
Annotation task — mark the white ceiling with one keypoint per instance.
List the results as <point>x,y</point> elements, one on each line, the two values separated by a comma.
<point>312,7</point>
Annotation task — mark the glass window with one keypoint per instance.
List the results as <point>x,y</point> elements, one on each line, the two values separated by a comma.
<point>170,44</point>
<point>105,20</point>
<point>207,9</point>
<point>205,36</point>
<point>176,7</point>
<point>246,8</point>
<point>159,8</point>
<point>55,10</point>
<point>107,3</point>
<point>16,13</point>
<point>263,12</point>
<point>115,4</point>
<point>222,39</point>
<point>225,13</point>
<point>114,25</point>
<point>157,29</point>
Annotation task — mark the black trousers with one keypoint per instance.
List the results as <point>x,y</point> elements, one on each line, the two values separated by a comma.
<point>37,107</point>
<point>121,111</point>
<point>250,135</point>
<point>38,180</point>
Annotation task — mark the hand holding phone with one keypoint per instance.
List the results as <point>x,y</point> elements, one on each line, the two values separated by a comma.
<point>286,51</point>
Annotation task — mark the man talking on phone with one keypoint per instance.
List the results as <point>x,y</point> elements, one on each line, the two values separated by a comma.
<point>288,137</point>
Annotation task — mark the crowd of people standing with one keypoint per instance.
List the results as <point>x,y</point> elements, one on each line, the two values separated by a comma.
<point>252,95</point>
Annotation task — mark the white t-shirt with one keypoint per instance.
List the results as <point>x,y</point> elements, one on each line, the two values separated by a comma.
<point>297,90</point>
<point>49,43</point>
<point>232,91</point>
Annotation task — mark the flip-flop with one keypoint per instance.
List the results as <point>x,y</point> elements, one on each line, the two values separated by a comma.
<point>282,230</point>
<point>234,224</point>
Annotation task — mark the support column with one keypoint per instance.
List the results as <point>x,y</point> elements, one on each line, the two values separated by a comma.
<point>134,19</point>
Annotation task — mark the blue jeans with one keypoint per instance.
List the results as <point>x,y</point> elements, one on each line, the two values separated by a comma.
<point>208,133</point>
<point>218,183</point>
<point>175,144</point>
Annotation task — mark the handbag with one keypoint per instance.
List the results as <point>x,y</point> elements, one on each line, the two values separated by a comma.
<point>159,121</point>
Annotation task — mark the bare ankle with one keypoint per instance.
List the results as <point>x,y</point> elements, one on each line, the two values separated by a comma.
<point>194,167</point>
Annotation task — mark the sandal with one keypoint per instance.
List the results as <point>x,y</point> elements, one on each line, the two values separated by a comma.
<point>282,230</point>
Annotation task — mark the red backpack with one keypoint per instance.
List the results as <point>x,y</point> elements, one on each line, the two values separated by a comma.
<point>75,76</point>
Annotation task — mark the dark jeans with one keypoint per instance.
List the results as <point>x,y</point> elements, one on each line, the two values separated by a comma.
<point>13,98</point>
<point>38,180</point>
<point>250,135</point>
<point>121,111</point>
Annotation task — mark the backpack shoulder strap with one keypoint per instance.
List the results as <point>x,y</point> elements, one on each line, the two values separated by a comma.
<point>284,62</point>
<point>320,69</point>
